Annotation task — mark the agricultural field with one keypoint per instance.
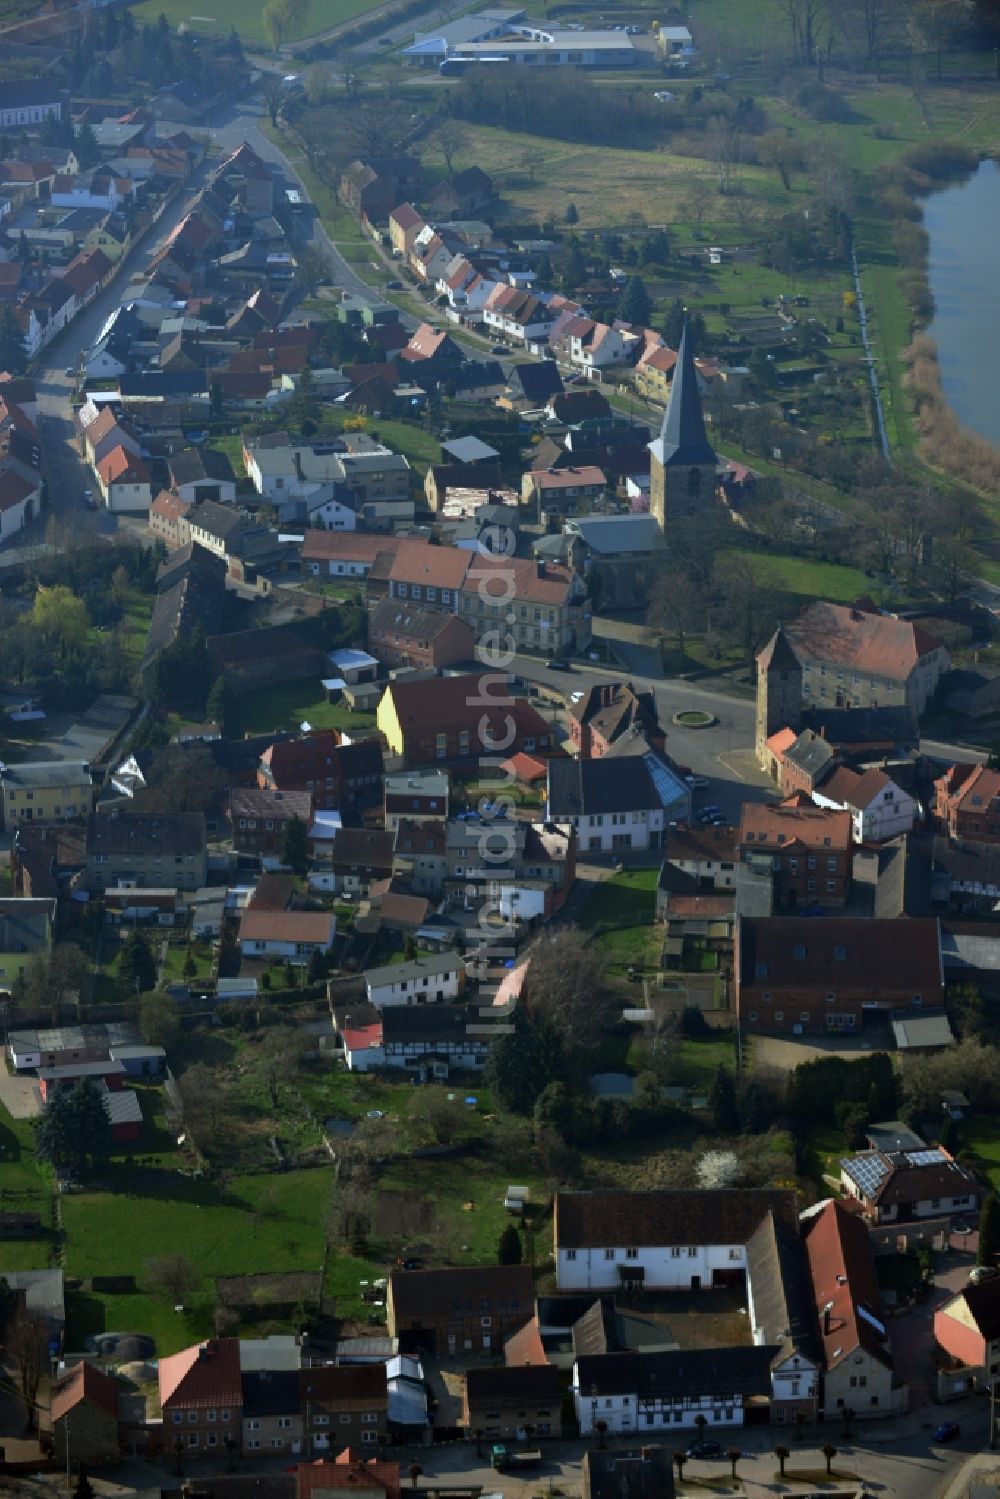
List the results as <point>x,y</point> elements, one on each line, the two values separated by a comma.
<point>217,18</point>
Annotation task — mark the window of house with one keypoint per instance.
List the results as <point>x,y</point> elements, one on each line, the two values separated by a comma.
<point>779,1014</point>
<point>212,1439</point>
<point>609,1254</point>
<point>227,1415</point>
<point>631,1254</point>
<point>345,1420</point>
<point>571,1254</point>
<point>253,1425</point>
<point>192,1415</point>
<point>178,1417</point>
<point>321,1420</point>
<point>209,1415</point>
<point>192,1439</point>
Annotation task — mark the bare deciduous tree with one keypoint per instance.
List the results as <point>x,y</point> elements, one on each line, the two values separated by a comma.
<point>172,1276</point>
<point>452,140</point>
<point>26,1346</point>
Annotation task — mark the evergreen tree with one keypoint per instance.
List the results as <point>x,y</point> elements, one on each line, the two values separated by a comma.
<point>91,1123</point>
<point>86,147</point>
<point>572,214</point>
<point>545,273</point>
<point>634,305</point>
<point>296,849</point>
<point>722,1102</point>
<point>574,268</point>
<point>221,704</point>
<point>138,966</point>
<point>73,1131</point>
<point>521,1063</point>
<point>509,1247</point>
<point>989,1231</point>
<point>13,350</point>
<point>55,1130</point>
<point>304,409</point>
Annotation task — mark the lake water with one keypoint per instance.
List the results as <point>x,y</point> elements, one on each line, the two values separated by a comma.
<point>964,227</point>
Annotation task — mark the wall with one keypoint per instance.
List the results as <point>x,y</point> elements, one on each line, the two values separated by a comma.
<point>669,1268</point>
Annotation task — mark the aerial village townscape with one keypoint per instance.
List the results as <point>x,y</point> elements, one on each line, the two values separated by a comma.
<point>500,749</point>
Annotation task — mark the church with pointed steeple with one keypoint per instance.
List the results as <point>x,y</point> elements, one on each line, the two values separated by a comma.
<point>683,464</point>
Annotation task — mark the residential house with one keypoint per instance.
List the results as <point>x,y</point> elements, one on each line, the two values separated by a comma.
<point>272,1422</point>
<point>414,637</point>
<point>520,316</point>
<point>531,385</point>
<point>462,195</point>
<point>527,867</point>
<point>550,603</point>
<point>45,791</point>
<point>416,797</point>
<point>202,473</point>
<point>462,1310</point>
<point>201,1396</point>
<point>617,555</point>
<point>430,1041</point>
<point>809,976</point>
<point>708,856</point>
<point>690,1389</point>
<point>967,803</point>
<point>659,1240</point>
<point>333,553</point>
<point>435,979</point>
<point>336,776</point>
<point>87,274</point>
<point>350,1472</point>
<point>807,849</point>
<point>84,1417</point>
<point>967,1330</point>
<point>373,187</point>
<point>879,809</point>
<point>293,936</point>
<point>858,1371</point>
<point>628,1473</point>
<point>607,711</point>
<point>513,1404</point>
<point>168,520</point>
<point>360,856</point>
<point>563,491</point>
<point>124,481</point>
<point>26,932</point>
<point>259,821</point>
<point>783,1317</point>
<point>405,223</point>
<point>343,1404</point>
<point>894,1186</point>
<point>439,721</point>
<point>419,855</point>
<point>145,850</point>
<point>44,857</point>
<point>852,656</point>
<point>28,102</point>
<point>611,805</point>
<point>20,498</point>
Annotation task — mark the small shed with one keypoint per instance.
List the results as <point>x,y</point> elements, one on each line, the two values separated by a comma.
<point>516,1200</point>
<point>354,666</point>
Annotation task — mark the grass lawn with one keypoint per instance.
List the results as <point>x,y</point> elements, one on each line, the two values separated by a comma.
<point>273,1222</point>
<point>287,707</point>
<point>411,439</point>
<point>232,445</point>
<point>802,575</point>
<point>982,1138</point>
<point>823,1148</point>
<point>697,1061</point>
<point>177,952</point>
<point>606,184</point>
<point>26,1189</point>
<point>337,221</point>
<point>220,16</point>
<point>624,908</point>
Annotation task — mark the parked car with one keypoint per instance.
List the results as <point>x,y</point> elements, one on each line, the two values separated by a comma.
<point>947,1431</point>
<point>980,1273</point>
<point>558,666</point>
<point>704,1448</point>
<point>961,1227</point>
<point>70,369</point>
<point>697,783</point>
<point>394,286</point>
<point>499,349</point>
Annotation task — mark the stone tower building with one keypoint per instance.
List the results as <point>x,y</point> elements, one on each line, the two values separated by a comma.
<point>779,690</point>
<point>683,467</point>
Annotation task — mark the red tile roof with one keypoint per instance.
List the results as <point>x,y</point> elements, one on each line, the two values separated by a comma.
<point>842,1267</point>
<point>524,767</point>
<point>859,640</point>
<point>346,546</point>
<point>119,466</point>
<point>568,478</point>
<point>852,789</point>
<point>350,1470</point>
<point>170,506</point>
<point>84,1382</point>
<point>435,566</point>
<point>812,827</point>
<point>530,584</point>
<point>286,926</point>
<point>203,1377</point>
<point>14,489</point>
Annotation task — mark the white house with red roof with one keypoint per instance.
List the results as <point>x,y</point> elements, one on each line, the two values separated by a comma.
<point>124,481</point>
<point>879,808</point>
<point>20,498</point>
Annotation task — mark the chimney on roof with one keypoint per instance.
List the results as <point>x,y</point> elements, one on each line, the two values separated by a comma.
<point>540,565</point>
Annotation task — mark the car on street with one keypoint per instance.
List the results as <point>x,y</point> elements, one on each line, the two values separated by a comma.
<point>697,783</point>
<point>394,286</point>
<point>961,1227</point>
<point>70,370</point>
<point>704,1448</point>
<point>980,1273</point>
<point>947,1431</point>
<point>499,349</point>
<point>664,96</point>
<point>558,666</point>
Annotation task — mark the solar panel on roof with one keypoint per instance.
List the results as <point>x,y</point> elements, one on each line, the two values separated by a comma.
<point>867,1171</point>
<point>925,1157</point>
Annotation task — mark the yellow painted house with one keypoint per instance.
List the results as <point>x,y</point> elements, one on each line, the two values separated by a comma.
<point>115,242</point>
<point>25,934</point>
<point>45,791</point>
<point>387,721</point>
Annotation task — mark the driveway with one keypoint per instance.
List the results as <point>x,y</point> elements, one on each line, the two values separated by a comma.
<point>20,1096</point>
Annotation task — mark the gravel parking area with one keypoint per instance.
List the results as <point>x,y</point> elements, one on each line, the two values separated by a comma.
<point>20,1096</point>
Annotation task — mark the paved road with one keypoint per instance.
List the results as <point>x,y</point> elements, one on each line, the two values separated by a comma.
<point>65,472</point>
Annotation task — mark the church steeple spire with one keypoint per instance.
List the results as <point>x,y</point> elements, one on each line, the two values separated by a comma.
<point>682,439</point>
